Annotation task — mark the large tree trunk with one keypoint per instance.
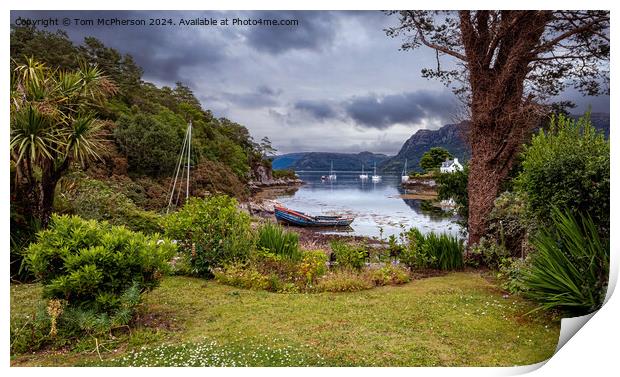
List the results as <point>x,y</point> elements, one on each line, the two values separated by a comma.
<point>487,172</point>
<point>46,201</point>
<point>501,116</point>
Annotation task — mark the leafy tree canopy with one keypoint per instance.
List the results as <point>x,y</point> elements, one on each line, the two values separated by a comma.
<point>433,158</point>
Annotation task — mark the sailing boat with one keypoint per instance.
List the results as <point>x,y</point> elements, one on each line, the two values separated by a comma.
<point>363,175</point>
<point>404,176</point>
<point>331,176</point>
<point>375,177</point>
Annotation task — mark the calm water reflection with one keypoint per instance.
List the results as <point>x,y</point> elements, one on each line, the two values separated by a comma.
<point>374,205</point>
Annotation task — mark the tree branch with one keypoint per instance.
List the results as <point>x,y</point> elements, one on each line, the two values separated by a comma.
<point>437,47</point>
<point>549,44</point>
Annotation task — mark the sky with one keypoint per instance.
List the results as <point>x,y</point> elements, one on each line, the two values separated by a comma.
<point>334,82</point>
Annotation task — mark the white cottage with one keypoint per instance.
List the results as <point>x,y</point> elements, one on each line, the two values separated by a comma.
<point>450,166</point>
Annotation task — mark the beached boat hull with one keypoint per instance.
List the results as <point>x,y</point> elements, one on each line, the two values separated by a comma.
<point>301,219</point>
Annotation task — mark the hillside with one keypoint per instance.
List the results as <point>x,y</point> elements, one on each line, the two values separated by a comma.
<point>285,161</point>
<point>323,160</point>
<point>453,138</point>
<point>145,127</point>
<point>450,137</point>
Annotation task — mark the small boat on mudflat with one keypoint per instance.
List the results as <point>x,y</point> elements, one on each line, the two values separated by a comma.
<point>302,219</point>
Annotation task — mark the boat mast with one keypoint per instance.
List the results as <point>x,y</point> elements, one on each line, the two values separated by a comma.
<point>186,148</point>
<point>189,153</point>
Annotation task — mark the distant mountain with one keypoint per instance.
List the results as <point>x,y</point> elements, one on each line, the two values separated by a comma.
<point>452,138</point>
<point>322,160</point>
<point>285,161</point>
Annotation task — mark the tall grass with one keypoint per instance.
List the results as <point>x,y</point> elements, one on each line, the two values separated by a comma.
<point>432,250</point>
<point>570,267</point>
<point>445,250</point>
<point>274,238</point>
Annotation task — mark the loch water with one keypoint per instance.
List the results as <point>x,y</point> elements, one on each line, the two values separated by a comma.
<point>379,207</point>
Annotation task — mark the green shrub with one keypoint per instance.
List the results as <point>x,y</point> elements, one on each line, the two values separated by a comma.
<point>92,199</point>
<point>510,224</point>
<point>243,276</point>
<point>212,231</point>
<point>276,273</point>
<point>274,238</point>
<point>250,276</point>
<point>487,252</point>
<point>92,264</point>
<point>413,253</point>
<point>511,274</point>
<point>349,255</point>
<point>312,266</point>
<point>93,274</point>
<point>394,247</point>
<point>269,263</point>
<point>570,267</point>
<point>151,142</point>
<point>431,160</point>
<point>389,274</point>
<point>284,173</point>
<point>344,280</point>
<point>567,166</point>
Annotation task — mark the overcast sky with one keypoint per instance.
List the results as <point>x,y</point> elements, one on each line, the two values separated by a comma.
<point>335,82</point>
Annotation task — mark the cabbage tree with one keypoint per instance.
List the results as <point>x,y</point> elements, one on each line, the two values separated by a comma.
<point>53,124</point>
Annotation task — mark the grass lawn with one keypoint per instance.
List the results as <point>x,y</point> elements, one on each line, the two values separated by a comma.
<point>459,319</point>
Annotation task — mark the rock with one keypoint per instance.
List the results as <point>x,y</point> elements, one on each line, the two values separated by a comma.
<point>275,182</point>
<point>265,206</point>
<point>262,174</point>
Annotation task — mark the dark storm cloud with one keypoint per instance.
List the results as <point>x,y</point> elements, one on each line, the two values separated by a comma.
<point>163,53</point>
<point>315,31</point>
<point>320,110</point>
<point>406,108</point>
<point>263,96</point>
<point>329,66</point>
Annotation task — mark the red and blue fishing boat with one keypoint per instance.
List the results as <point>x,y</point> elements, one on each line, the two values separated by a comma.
<point>302,219</point>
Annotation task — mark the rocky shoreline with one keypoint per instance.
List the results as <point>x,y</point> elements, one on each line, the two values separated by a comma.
<point>278,182</point>
<point>423,186</point>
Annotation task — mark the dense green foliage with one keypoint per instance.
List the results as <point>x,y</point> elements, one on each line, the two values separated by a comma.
<point>93,275</point>
<point>94,199</point>
<point>567,166</point>
<point>275,239</point>
<point>445,250</point>
<point>432,159</point>
<point>510,223</point>
<point>349,255</point>
<point>212,231</point>
<point>419,251</point>
<point>53,125</point>
<point>488,253</point>
<point>108,111</point>
<point>556,257</point>
<point>275,273</point>
<point>151,143</point>
<point>91,264</point>
<point>454,186</point>
<point>410,251</point>
<point>284,174</point>
<point>570,267</point>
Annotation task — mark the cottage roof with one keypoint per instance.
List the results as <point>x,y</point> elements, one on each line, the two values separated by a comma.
<point>447,163</point>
